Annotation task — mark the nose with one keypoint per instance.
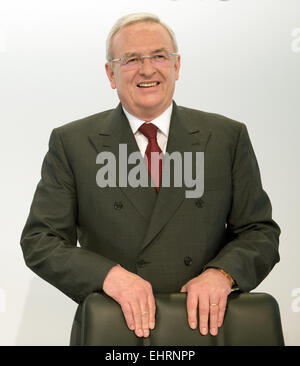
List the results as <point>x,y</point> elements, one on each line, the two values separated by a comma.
<point>146,67</point>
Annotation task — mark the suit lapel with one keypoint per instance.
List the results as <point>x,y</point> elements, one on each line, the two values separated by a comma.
<point>184,136</point>
<point>116,130</point>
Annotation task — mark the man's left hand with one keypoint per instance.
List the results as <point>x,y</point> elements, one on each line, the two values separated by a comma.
<point>207,292</point>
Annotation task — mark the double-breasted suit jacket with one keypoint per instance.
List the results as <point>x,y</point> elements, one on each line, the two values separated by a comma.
<point>76,231</point>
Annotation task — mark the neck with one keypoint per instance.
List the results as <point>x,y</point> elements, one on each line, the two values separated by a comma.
<point>146,115</point>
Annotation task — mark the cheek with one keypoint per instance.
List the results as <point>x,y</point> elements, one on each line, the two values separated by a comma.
<point>124,83</point>
<point>171,78</point>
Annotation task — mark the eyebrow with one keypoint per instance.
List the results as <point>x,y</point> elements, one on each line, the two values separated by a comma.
<point>159,50</point>
<point>131,54</point>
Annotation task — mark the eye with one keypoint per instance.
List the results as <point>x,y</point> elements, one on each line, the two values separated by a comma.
<point>130,60</point>
<point>159,57</point>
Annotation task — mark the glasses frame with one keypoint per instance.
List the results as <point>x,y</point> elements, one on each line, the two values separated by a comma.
<point>141,58</point>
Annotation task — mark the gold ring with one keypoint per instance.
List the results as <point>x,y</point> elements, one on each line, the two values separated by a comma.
<point>213,304</point>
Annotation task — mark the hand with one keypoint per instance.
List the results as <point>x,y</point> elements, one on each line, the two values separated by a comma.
<point>135,296</point>
<point>209,291</point>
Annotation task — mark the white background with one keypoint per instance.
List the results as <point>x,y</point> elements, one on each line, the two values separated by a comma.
<point>239,58</point>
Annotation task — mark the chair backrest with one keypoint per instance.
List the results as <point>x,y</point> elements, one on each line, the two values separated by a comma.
<point>251,319</point>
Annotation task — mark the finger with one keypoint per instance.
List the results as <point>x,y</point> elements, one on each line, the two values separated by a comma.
<point>128,315</point>
<point>145,319</point>
<point>203,314</point>
<point>213,317</point>
<point>137,319</point>
<point>222,309</point>
<point>191,304</point>
<point>152,309</point>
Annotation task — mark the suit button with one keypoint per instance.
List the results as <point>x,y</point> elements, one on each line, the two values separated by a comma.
<point>118,205</point>
<point>188,261</point>
<point>141,263</point>
<point>199,203</point>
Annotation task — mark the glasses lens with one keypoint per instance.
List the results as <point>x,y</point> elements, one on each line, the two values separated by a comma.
<point>130,62</point>
<point>159,59</point>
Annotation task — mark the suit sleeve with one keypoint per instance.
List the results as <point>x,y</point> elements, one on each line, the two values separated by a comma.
<point>253,237</point>
<point>49,238</point>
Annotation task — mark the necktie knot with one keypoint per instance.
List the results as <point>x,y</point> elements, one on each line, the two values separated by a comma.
<point>149,130</point>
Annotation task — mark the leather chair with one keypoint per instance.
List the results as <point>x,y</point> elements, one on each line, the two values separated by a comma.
<point>251,319</point>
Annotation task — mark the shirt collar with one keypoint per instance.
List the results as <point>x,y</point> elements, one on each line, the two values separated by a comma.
<point>162,122</point>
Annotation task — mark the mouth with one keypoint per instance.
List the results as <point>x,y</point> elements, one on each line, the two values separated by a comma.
<point>148,84</point>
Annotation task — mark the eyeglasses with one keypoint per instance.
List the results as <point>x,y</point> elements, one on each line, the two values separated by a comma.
<point>133,61</point>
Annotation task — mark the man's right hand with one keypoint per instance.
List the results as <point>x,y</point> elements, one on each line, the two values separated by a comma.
<point>135,297</point>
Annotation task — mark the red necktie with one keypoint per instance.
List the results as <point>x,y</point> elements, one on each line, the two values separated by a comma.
<point>154,162</point>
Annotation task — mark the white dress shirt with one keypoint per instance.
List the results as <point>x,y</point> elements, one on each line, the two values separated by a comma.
<point>162,122</point>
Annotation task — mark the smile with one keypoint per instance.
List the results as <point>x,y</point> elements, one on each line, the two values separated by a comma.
<point>148,85</point>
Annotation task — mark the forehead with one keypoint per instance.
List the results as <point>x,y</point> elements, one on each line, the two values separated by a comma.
<point>142,38</point>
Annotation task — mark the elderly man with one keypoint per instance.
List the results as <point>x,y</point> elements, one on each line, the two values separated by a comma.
<point>136,241</point>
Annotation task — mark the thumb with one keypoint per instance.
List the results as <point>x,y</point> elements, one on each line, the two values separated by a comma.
<point>183,289</point>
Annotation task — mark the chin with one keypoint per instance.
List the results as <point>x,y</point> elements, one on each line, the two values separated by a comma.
<point>151,104</point>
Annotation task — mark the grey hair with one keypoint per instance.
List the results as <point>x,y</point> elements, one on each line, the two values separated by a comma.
<point>132,19</point>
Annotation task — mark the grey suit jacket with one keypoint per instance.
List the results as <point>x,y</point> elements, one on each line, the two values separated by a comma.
<point>165,238</point>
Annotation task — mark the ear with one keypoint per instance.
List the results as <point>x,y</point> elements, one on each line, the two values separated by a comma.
<point>177,67</point>
<point>110,74</point>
